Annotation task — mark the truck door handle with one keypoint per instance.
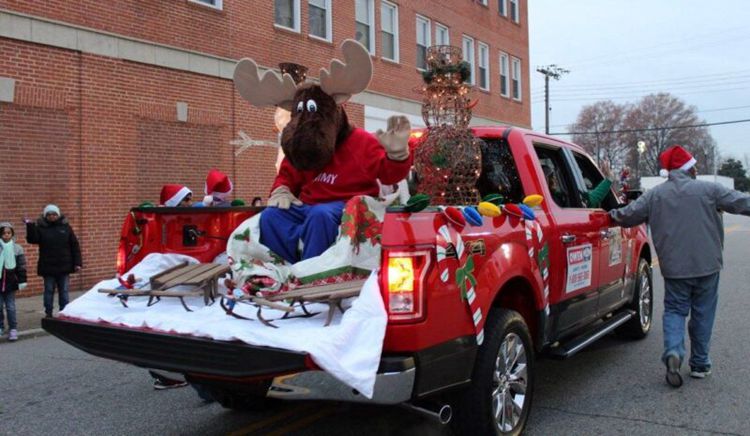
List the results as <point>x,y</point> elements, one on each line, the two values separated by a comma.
<point>604,234</point>
<point>568,239</point>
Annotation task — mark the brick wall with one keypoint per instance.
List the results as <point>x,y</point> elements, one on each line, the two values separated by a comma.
<point>98,135</point>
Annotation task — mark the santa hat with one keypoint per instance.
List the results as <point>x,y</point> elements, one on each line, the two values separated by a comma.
<point>172,195</point>
<point>675,158</point>
<point>218,184</point>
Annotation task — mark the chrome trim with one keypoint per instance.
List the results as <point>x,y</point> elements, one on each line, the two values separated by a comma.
<point>390,387</point>
<point>600,333</point>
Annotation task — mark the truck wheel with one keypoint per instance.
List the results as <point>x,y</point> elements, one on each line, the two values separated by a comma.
<point>643,305</point>
<point>499,397</point>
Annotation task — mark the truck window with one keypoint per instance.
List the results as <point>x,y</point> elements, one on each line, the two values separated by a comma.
<point>499,173</point>
<point>591,178</point>
<point>557,176</point>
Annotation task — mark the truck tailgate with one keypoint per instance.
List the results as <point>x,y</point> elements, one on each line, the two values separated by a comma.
<point>185,354</point>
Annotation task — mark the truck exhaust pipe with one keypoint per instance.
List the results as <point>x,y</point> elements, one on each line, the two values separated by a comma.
<point>442,413</point>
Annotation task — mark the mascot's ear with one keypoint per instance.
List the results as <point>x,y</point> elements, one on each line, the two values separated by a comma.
<point>271,89</point>
<point>350,77</point>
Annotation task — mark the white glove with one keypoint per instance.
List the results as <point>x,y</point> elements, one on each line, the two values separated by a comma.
<point>21,286</point>
<point>282,198</point>
<point>395,140</point>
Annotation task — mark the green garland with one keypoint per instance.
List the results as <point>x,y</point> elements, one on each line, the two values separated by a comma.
<point>463,68</point>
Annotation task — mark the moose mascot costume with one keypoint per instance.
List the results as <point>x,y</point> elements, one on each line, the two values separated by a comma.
<point>328,161</point>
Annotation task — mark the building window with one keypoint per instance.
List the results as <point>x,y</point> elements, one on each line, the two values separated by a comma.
<point>516,78</point>
<point>364,32</point>
<point>504,75</point>
<point>423,41</point>
<point>442,36</point>
<point>468,45</point>
<point>319,15</point>
<point>216,4</point>
<point>484,66</point>
<point>286,14</point>
<point>389,30</point>
<point>514,13</point>
<point>502,7</point>
<point>483,2</point>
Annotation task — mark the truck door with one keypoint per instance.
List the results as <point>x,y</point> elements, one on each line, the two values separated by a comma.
<point>574,247</point>
<point>609,236</point>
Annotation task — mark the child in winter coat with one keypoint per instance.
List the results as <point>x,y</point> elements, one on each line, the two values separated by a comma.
<point>13,277</point>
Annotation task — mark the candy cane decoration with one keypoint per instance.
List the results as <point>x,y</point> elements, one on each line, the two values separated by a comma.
<point>464,278</point>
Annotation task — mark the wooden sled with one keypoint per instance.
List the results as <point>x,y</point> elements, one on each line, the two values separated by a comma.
<point>203,278</point>
<point>289,301</point>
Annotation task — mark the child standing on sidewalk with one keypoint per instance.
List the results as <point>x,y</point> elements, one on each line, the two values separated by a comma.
<point>13,271</point>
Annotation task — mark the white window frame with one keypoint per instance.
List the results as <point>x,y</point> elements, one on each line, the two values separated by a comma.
<point>329,21</point>
<point>504,71</point>
<point>396,54</point>
<point>502,7</point>
<point>371,24</point>
<point>472,62</point>
<point>514,6</point>
<point>441,28</point>
<point>428,25</point>
<point>297,17</point>
<point>484,59</point>
<point>213,4</point>
<point>516,74</point>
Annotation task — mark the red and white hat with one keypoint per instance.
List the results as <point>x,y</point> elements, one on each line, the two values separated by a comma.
<point>172,195</point>
<point>218,184</point>
<point>675,158</point>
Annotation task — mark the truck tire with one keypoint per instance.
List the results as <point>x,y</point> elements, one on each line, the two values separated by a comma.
<point>642,304</point>
<point>498,400</point>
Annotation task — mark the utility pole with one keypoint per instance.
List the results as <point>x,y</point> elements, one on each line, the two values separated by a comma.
<point>549,71</point>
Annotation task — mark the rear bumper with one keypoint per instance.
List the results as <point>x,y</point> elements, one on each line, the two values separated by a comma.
<point>394,384</point>
<point>184,354</point>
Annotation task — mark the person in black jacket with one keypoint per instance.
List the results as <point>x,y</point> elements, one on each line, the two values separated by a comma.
<point>12,276</point>
<point>59,254</point>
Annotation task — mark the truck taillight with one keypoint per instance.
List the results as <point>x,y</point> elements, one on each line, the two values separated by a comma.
<point>121,258</point>
<point>402,284</point>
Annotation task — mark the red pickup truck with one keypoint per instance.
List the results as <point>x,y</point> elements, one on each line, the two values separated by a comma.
<point>547,289</point>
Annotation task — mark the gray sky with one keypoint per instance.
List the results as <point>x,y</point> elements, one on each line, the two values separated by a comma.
<point>623,50</point>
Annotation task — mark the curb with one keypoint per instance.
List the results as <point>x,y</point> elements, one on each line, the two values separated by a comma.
<point>26,334</point>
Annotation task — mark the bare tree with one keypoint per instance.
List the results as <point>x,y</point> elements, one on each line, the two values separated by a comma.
<point>598,120</point>
<point>659,114</point>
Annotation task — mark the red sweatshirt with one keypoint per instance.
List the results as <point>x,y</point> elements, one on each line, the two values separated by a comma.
<point>357,164</point>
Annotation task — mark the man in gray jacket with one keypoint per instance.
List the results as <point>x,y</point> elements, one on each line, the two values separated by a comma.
<point>687,231</point>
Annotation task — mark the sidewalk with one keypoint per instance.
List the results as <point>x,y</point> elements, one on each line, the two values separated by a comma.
<point>29,314</point>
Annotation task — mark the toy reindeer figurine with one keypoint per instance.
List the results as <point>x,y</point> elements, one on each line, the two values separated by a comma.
<point>328,161</point>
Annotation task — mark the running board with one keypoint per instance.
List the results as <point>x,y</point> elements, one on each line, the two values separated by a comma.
<point>578,343</point>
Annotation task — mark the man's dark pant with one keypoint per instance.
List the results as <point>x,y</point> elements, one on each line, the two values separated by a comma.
<point>61,281</point>
<point>696,297</point>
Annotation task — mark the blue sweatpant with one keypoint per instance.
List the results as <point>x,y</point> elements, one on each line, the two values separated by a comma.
<point>317,226</point>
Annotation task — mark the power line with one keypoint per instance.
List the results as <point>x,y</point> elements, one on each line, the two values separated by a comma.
<point>626,97</point>
<point>651,129</point>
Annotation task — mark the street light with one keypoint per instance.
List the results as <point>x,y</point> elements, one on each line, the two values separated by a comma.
<point>641,147</point>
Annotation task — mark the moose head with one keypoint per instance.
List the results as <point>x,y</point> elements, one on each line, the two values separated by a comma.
<point>318,122</point>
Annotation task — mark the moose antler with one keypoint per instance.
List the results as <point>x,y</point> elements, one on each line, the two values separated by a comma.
<point>347,79</point>
<point>271,89</point>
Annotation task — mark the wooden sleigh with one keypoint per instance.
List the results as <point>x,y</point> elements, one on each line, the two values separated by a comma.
<point>202,278</point>
<point>288,302</point>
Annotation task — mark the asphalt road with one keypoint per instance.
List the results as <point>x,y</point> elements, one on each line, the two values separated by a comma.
<point>615,387</point>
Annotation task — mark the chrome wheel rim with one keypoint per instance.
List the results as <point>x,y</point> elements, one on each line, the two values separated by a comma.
<point>509,383</point>
<point>644,301</point>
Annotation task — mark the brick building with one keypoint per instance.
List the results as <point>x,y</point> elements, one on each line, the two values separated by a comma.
<point>103,102</point>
